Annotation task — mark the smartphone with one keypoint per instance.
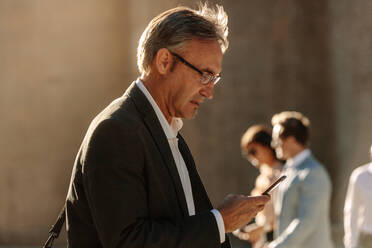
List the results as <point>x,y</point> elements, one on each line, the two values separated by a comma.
<point>273,185</point>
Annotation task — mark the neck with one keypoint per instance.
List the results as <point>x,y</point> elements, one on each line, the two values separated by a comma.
<point>152,84</point>
<point>297,150</point>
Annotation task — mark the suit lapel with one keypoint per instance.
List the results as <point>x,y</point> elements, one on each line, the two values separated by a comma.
<point>201,200</point>
<point>160,139</point>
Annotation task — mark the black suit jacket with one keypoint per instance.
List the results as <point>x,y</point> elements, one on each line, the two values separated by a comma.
<point>125,190</point>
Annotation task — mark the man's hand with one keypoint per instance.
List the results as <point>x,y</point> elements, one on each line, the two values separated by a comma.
<point>238,210</point>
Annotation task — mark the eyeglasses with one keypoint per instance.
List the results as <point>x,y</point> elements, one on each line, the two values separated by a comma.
<point>251,152</point>
<point>248,154</point>
<point>206,77</point>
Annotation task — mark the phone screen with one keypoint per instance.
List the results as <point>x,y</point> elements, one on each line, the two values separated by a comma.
<point>273,185</point>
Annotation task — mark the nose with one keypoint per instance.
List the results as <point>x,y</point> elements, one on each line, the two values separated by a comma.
<point>207,90</point>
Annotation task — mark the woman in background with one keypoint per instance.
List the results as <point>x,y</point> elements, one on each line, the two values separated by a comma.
<point>256,148</point>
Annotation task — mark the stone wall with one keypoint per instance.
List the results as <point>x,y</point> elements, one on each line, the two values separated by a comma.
<point>62,62</point>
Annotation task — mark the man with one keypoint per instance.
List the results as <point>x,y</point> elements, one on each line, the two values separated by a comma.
<point>134,181</point>
<point>357,210</point>
<point>302,201</point>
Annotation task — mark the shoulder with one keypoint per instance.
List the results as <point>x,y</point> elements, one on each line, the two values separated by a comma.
<point>121,112</point>
<point>314,165</point>
<point>118,120</point>
<point>313,170</point>
<point>360,172</point>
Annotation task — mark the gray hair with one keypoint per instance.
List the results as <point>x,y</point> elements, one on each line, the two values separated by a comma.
<point>173,28</point>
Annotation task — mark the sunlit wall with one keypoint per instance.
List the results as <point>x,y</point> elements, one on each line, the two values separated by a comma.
<point>63,61</point>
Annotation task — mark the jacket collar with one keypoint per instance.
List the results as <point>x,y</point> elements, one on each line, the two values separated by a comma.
<point>298,159</point>
<point>171,130</point>
<point>154,127</point>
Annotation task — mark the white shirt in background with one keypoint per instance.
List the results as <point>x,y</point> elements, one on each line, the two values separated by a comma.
<point>358,205</point>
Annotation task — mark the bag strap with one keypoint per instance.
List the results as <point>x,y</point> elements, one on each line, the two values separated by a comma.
<point>56,228</point>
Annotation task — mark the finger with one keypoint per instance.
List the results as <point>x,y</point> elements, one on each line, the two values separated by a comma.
<point>263,198</point>
<point>259,200</point>
<point>261,207</point>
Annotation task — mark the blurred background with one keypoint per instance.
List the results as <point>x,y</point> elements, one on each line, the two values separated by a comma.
<point>61,62</point>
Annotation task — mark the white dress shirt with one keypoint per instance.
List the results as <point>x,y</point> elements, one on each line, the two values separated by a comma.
<point>358,205</point>
<point>298,159</point>
<point>171,132</point>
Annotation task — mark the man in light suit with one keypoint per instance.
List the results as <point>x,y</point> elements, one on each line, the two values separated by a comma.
<point>134,181</point>
<point>302,201</point>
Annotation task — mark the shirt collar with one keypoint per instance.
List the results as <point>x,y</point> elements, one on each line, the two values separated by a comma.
<point>298,159</point>
<point>171,130</point>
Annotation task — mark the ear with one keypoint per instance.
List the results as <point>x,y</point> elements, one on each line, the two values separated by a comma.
<point>163,61</point>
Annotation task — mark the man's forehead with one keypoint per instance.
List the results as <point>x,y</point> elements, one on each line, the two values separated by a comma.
<point>206,54</point>
<point>202,46</point>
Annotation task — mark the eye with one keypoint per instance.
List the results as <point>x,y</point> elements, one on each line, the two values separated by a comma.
<point>206,78</point>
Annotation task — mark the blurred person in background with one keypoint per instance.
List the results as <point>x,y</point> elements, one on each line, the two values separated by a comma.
<point>302,201</point>
<point>134,181</point>
<point>358,208</point>
<point>256,148</point>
